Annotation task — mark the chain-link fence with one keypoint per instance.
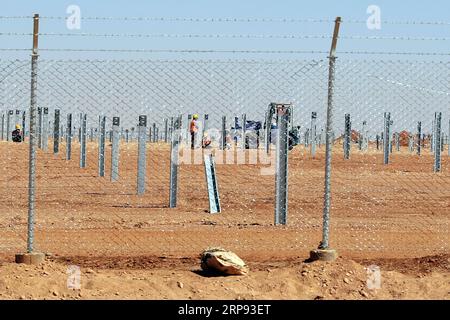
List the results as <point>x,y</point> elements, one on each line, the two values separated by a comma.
<point>101,191</point>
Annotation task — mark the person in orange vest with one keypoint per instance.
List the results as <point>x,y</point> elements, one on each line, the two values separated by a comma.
<point>17,134</point>
<point>193,128</point>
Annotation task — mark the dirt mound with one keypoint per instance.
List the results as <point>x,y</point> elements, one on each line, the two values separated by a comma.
<point>342,279</point>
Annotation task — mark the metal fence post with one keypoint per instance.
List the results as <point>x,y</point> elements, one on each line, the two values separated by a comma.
<point>419,134</point>
<point>83,141</point>
<point>281,167</point>
<point>171,129</point>
<point>101,146</point>
<point>224,133</point>
<point>23,125</point>
<point>44,133</point>
<point>32,160</point>
<point>56,133</point>
<point>8,125</point>
<point>166,130</point>
<point>115,149</point>
<point>347,136</point>
<point>39,109</point>
<point>313,134</point>
<point>324,252</point>
<point>386,137</point>
<point>244,124</point>
<point>69,137</point>
<point>142,129</point>
<point>3,127</point>
<point>174,149</point>
<point>437,142</point>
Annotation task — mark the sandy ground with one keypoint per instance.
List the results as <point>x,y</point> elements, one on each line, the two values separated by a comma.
<point>131,246</point>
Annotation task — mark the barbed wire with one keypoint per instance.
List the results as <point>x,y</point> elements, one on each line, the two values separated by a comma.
<point>282,20</point>
<point>233,51</point>
<point>238,36</point>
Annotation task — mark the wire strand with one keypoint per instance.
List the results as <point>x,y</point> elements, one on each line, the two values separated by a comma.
<point>232,36</point>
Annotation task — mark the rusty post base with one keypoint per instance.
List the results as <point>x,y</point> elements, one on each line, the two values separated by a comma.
<point>323,255</point>
<point>30,258</point>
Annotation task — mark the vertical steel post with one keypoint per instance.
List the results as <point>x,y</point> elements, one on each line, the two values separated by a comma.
<point>174,149</point>
<point>171,129</point>
<point>347,136</point>
<point>32,156</point>
<point>419,134</point>
<point>313,132</point>
<point>244,128</point>
<point>83,141</point>
<point>224,132</point>
<point>397,141</point>
<point>101,146</point>
<point>386,137</point>
<point>69,137</point>
<point>437,142</point>
<point>154,132</point>
<point>115,149</point>
<point>44,133</point>
<point>23,125</point>
<point>324,244</point>
<point>56,124</point>
<point>79,128</point>
<point>39,109</point>
<point>8,125</point>
<point>142,129</point>
<point>281,167</point>
<point>3,126</point>
<point>166,130</point>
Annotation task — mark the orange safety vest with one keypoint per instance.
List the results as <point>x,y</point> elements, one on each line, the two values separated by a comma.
<point>193,127</point>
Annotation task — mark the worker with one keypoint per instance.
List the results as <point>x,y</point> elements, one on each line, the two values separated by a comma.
<point>193,129</point>
<point>17,134</point>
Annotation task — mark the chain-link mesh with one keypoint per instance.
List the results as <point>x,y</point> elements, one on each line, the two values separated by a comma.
<point>398,209</point>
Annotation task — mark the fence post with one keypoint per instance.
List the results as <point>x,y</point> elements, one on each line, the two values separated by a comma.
<point>56,132</point>
<point>32,258</point>
<point>324,252</point>
<point>44,133</point>
<point>281,168</point>
<point>437,142</point>
<point>39,109</point>
<point>313,134</point>
<point>8,125</point>
<point>101,146</point>
<point>174,149</point>
<point>224,132</point>
<point>171,129</point>
<point>115,149</point>
<point>347,136</point>
<point>3,127</point>
<point>244,124</point>
<point>83,141</point>
<point>142,129</point>
<point>419,134</point>
<point>23,125</point>
<point>166,130</point>
<point>386,137</point>
<point>69,137</point>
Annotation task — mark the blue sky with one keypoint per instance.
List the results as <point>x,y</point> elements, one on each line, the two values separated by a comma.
<point>348,9</point>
